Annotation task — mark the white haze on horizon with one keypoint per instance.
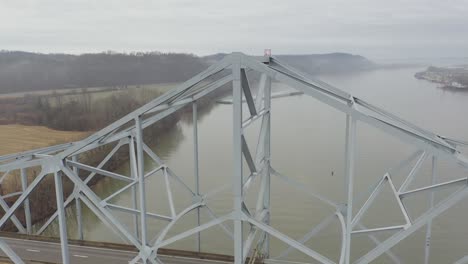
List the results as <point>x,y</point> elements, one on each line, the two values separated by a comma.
<point>378,29</point>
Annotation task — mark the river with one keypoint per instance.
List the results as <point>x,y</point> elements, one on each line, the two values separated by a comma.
<point>308,146</point>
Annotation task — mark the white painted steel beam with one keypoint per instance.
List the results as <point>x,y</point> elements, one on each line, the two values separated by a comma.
<point>237,177</point>
<point>295,244</point>
<point>349,171</point>
<point>10,253</point>
<point>248,93</point>
<point>322,225</point>
<point>137,211</point>
<point>27,208</point>
<point>418,223</point>
<point>439,186</point>
<point>409,179</point>
<point>427,246</point>
<point>61,217</point>
<point>141,181</point>
<point>112,175</point>
<point>14,219</point>
<point>196,170</point>
<point>232,69</point>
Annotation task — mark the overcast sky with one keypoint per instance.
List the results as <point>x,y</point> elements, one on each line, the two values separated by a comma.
<point>378,29</point>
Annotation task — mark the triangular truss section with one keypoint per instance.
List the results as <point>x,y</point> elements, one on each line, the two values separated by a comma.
<point>63,161</point>
<point>386,181</point>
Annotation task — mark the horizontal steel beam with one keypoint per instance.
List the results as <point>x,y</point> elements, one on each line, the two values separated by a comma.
<point>135,211</point>
<point>193,231</point>
<point>273,96</point>
<point>112,175</point>
<point>379,229</point>
<point>435,186</point>
<point>30,153</point>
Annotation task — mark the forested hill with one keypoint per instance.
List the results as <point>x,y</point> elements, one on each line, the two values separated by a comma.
<point>320,63</point>
<point>329,63</point>
<point>23,71</point>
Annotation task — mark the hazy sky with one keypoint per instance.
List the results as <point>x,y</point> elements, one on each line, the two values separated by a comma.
<point>374,28</point>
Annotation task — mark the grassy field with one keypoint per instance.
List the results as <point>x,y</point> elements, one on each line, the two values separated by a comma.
<point>17,138</point>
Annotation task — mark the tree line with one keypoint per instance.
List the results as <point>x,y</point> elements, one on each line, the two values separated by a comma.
<point>23,71</point>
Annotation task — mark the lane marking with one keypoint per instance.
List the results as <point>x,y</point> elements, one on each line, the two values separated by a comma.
<point>97,250</point>
<point>80,256</point>
<point>72,246</point>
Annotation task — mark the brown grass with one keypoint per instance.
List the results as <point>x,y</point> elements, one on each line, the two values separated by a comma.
<point>17,138</point>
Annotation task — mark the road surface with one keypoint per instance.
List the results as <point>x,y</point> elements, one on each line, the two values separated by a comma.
<point>50,252</point>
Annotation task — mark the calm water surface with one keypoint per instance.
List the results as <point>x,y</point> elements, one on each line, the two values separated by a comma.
<point>308,146</point>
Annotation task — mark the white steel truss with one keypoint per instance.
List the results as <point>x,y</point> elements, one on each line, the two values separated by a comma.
<point>63,161</point>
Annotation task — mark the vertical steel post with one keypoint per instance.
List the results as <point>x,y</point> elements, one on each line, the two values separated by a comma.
<point>141,178</point>
<point>79,218</point>
<point>196,167</point>
<point>427,249</point>
<point>237,160</point>
<point>349,170</point>
<point>134,174</point>
<point>61,217</point>
<point>27,208</point>
<point>267,151</point>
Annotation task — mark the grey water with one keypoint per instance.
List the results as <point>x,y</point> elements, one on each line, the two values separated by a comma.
<point>308,139</point>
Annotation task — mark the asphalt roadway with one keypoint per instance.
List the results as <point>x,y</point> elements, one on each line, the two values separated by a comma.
<point>39,251</point>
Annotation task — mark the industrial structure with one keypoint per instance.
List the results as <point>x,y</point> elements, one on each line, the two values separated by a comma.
<point>63,161</point>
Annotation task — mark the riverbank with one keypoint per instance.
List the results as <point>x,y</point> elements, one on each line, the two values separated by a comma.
<point>102,112</point>
<point>37,121</point>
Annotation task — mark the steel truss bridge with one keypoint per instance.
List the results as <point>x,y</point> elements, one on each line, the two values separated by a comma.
<point>63,161</point>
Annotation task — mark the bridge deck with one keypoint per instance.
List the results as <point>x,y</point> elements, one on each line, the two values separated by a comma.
<point>35,249</point>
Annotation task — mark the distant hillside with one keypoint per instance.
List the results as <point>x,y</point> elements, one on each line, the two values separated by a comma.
<point>319,63</point>
<point>329,63</point>
<point>23,71</point>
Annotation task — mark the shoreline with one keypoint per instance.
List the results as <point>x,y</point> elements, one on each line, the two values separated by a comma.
<point>455,79</point>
